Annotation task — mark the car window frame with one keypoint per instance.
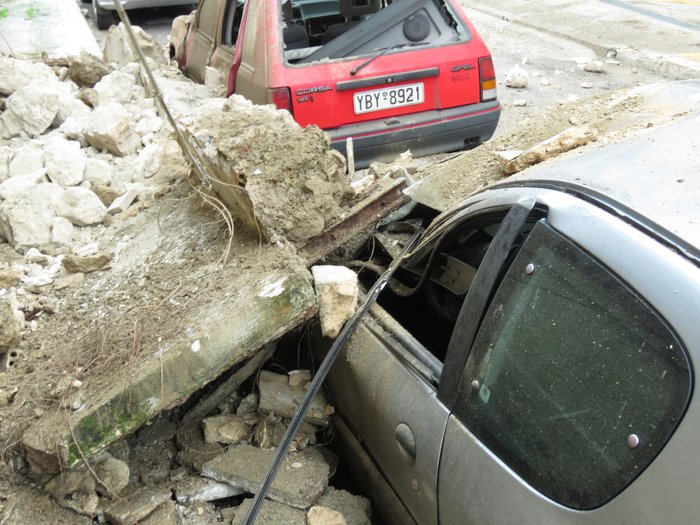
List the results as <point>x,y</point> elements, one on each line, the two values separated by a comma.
<point>476,301</point>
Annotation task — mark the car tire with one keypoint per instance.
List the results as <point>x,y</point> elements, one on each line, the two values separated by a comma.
<point>103,18</point>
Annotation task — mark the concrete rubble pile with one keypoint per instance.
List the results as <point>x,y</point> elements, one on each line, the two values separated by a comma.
<point>104,245</point>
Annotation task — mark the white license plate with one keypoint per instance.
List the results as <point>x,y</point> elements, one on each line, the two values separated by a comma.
<point>386,98</point>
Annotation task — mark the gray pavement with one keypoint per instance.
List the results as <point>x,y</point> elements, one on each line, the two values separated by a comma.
<point>653,34</point>
<point>54,27</point>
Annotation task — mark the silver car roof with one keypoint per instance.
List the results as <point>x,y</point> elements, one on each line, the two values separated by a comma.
<point>656,173</point>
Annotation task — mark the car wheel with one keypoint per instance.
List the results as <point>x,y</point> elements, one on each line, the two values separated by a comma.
<point>103,18</point>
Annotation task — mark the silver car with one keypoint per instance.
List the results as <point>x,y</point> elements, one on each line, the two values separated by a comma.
<point>104,9</point>
<point>534,361</point>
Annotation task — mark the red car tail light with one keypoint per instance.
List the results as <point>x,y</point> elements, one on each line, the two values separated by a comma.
<point>282,98</point>
<point>487,75</point>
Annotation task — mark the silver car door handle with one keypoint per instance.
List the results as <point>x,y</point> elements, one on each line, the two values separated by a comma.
<point>406,439</point>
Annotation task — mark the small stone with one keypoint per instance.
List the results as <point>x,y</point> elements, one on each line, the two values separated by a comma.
<point>519,102</point>
<point>87,264</point>
<point>81,207</point>
<point>586,85</point>
<point>10,277</point>
<point>318,515</point>
<point>545,82</point>
<point>299,377</point>
<point>114,473</point>
<point>517,78</point>
<point>69,281</point>
<point>594,66</point>
<point>122,202</point>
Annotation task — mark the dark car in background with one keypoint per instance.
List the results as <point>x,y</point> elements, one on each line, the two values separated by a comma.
<point>408,74</point>
<point>533,360</point>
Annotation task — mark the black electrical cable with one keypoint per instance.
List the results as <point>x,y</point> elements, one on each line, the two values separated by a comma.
<point>325,367</point>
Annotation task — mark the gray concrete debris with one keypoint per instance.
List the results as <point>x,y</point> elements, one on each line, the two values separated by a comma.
<point>204,489</point>
<point>121,203</point>
<point>299,377</point>
<point>318,515</point>
<point>337,291</point>
<point>561,142</point>
<point>27,221</point>
<point>120,87</point>
<point>356,510</point>
<point>279,398</point>
<point>86,69</point>
<point>75,490</point>
<point>113,474</point>
<point>229,430</point>
<point>271,513</point>
<point>10,328</point>
<point>128,511</point>
<point>166,514</point>
<point>288,186</point>
<point>194,451</point>
<point>117,47</point>
<point>301,480</point>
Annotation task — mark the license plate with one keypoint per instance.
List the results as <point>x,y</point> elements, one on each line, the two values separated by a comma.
<point>387,98</point>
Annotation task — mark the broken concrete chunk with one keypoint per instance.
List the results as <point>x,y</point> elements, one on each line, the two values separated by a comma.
<point>89,263</point>
<point>125,200</point>
<point>318,515</point>
<point>166,514</point>
<point>120,87</point>
<point>137,506</point>
<point>76,491</point>
<point>271,513</point>
<point>278,397</point>
<point>26,159</point>
<point>337,291</point>
<point>10,327</point>
<point>356,510</point>
<point>81,207</point>
<point>301,480</point>
<point>284,186</point>
<point>17,185</point>
<point>561,142</point>
<point>517,78</point>
<point>86,69</point>
<point>15,74</point>
<point>118,50</point>
<point>10,277</point>
<point>26,222</point>
<point>109,128</point>
<point>30,110</point>
<point>113,474</point>
<point>299,377</point>
<point>204,489</point>
<point>62,231</point>
<point>224,429</point>
<point>65,161</point>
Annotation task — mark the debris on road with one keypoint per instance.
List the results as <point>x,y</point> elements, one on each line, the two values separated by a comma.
<point>517,78</point>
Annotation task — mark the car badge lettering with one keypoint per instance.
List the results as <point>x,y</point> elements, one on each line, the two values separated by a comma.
<point>312,90</point>
<point>461,67</point>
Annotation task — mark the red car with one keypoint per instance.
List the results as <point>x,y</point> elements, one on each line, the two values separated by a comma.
<point>410,74</point>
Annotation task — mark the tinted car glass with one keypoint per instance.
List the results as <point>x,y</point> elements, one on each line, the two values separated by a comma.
<point>573,381</point>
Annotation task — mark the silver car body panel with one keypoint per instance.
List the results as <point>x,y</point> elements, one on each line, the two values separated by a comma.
<point>475,483</point>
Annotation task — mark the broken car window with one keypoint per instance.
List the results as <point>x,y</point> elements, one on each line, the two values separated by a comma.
<point>332,29</point>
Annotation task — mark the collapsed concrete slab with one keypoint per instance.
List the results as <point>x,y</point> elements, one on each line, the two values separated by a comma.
<point>255,303</point>
<point>301,479</point>
<point>288,186</point>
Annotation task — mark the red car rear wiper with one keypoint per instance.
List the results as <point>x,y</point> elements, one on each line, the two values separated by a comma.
<point>383,50</point>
